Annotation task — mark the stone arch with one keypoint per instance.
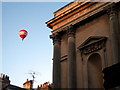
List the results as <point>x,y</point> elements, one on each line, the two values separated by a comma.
<point>94,69</point>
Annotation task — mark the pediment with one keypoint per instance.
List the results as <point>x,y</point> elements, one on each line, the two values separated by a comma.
<point>91,40</point>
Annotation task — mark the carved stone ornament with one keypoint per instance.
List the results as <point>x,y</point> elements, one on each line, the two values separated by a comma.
<point>71,30</point>
<point>92,44</point>
<point>112,9</point>
<point>56,38</point>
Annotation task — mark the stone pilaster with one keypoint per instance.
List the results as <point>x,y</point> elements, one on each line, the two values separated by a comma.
<point>71,57</point>
<point>119,28</point>
<point>113,21</point>
<point>56,60</point>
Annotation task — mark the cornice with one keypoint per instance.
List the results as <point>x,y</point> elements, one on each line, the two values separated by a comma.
<point>64,14</point>
<point>83,17</point>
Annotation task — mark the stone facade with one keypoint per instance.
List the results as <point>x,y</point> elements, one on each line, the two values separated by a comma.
<point>28,84</point>
<point>86,39</point>
<point>45,86</point>
<point>4,80</point>
<point>5,83</point>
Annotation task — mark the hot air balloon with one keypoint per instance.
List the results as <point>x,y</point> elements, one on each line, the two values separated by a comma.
<point>23,34</point>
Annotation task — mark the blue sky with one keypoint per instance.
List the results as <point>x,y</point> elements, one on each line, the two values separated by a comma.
<point>35,52</point>
<point>0,37</point>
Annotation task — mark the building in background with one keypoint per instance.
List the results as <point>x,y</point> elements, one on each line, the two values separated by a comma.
<point>28,84</point>
<point>86,39</point>
<point>4,80</point>
<point>45,86</point>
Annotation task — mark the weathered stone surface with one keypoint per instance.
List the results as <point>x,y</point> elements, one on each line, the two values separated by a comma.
<point>88,20</point>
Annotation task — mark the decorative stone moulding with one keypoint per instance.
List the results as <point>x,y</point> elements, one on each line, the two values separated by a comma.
<point>92,44</point>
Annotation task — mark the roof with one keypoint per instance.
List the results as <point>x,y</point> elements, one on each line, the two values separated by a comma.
<point>13,87</point>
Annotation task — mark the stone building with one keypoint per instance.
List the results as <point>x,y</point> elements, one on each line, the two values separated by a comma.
<point>28,84</point>
<point>86,39</point>
<point>4,80</point>
<point>6,85</point>
<point>45,86</point>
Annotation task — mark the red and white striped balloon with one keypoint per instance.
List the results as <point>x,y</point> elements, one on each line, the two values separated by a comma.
<point>23,34</point>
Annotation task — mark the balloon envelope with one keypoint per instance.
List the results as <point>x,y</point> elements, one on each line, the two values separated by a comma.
<point>23,34</point>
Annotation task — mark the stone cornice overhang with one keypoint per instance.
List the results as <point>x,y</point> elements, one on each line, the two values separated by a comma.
<point>84,11</point>
<point>50,22</point>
